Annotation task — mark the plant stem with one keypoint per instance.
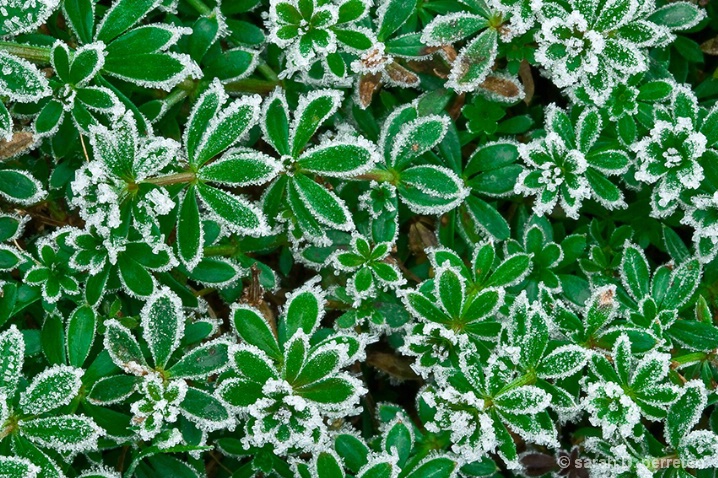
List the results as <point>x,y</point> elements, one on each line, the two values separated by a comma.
<point>37,54</point>
<point>251,85</point>
<point>200,6</point>
<point>267,71</point>
<point>526,379</point>
<point>184,177</point>
<point>380,175</point>
<point>221,250</point>
<point>689,358</point>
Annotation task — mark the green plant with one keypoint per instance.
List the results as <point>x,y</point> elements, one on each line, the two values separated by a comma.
<point>353,239</point>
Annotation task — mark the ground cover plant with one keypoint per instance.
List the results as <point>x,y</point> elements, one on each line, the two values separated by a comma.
<point>345,238</point>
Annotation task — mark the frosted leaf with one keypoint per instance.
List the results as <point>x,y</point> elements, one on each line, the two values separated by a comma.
<point>12,351</point>
<point>610,408</point>
<point>22,16</point>
<point>207,412</point>
<point>162,320</point>
<point>340,159</point>
<point>474,62</point>
<point>313,110</point>
<point>19,467</point>
<point>53,388</point>
<point>304,308</point>
<point>20,187</point>
<point>226,128</point>
<point>21,81</point>
<point>89,54</point>
<point>431,190</point>
<point>153,155</point>
<point>450,28</point>
<point>71,433</point>
<point>186,67</point>
<point>669,158</point>
<point>160,404</point>
<point>563,362</point>
<point>124,349</point>
<point>416,138</point>
<point>524,400</point>
<point>241,167</point>
<point>685,413</point>
<point>591,48</point>
<point>521,15</point>
<point>699,450</point>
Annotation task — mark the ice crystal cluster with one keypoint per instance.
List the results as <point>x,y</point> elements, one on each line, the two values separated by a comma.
<point>358,238</point>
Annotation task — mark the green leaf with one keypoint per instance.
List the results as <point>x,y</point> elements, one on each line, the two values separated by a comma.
<point>677,15</point>
<point>205,33</point>
<point>329,466</point>
<point>254,329</point>
<point>416,138</point>
<point>392,14</point>
<point>113,389</point>
<point>354,38</point>
<point>12,351</point>
<point>20,187</point>
<point>253,365</point>
<point>241,167</point>
<point>152,70</point>
<point>339,159</point>
<point>435,467</point>
<point>86,63</point>
<point>135,278</point>
<point>202,361</point>
<point>430,189</point>
<point>448,29</point>
<point>684,281</point>
<point>313,110</point>
<point>49,119</point>
<point>20,17</point>
<point>685,412</point>
<point>204,410</point>
<point>564,361</point>
<point>53,388</point>
<point>491,156</point>
<point>65,433</point>
<point>694,335</point>
<point>275,122</point>
<point>190,234</point>
<point>377,470</point>
<point>352,450</point>
<point>21,81</point>
<point>351,10</point>
<point>474,62</point>
<point>226,128</point>
<point>80,16</point>
<point>635,274</point>
<point>333,390</point>
<point>52,338</point>
<point>304,310</point>
<point>122,346</point>
<point>236,213</point>
<point>162,320</point>
<point>324,205</point>
<point>215,271</point>
<point>122,16</point>
<point>17,467</point>
<point>80,334</point>
<point>399,438</point>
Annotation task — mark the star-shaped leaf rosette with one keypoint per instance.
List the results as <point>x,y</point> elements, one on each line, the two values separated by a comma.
<point>311,31</point>
<point>286,379</point>
<point>570,165</point>
<point>592,46</point>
